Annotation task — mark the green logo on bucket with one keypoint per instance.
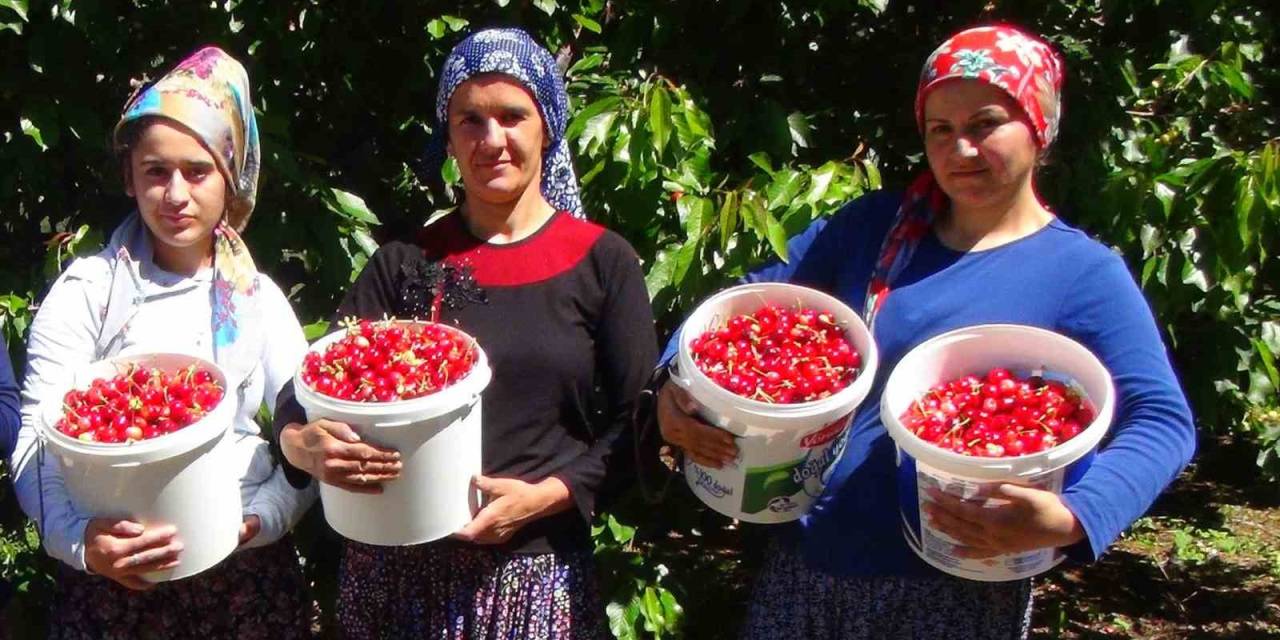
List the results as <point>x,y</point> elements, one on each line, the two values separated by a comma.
<point>766,487</point>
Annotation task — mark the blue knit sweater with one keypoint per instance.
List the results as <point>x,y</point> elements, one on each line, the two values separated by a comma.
<point>1056,278</point>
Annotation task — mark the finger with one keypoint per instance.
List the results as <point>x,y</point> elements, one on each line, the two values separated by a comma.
<point>339,430</point>
<point>1017,492</point>
<point>361,451</point>
<point>964,532</point>
<point>126,529</point>
<point>683,400</point>
<point>973,513</point>
<point>151,537</point>
<point>711,462</point>
<point>349,467</point>
<point>148,560</point>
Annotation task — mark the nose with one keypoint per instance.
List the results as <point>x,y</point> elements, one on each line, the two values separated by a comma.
<point>966,148</point>
<point>177,191</point>
<point>493,137</point>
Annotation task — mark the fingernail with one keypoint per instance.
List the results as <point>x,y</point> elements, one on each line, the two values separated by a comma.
<point>178,547</point>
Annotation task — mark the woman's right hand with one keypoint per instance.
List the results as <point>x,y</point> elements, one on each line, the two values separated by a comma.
<point>704,444</point>
<point>123,550</point>
<point>334,454</point>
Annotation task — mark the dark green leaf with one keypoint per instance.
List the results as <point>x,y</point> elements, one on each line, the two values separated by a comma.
<point>351,206</point>
<point>587,23</point>
<point>777,236</point>
<point>659,117</point>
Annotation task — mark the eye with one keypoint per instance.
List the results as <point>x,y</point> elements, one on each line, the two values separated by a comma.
<point>469,119</point>
<point>939,129</point>
<point>155,171</point>
<point>512,118</point>
<point>196,174</point>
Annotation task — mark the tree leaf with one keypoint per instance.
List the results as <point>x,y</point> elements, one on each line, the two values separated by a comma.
<point>819,182</point>
<point>579,122</point>
<point>728,219</point>
<point>777,236</point>
<point>351,206</point>
<point>1268,362</point>
<point>684,259</point>
<point>801,130</point>
<point>1248,218</point>
<point>436,28</point>
<point>32,131</point>
<point>587,63</point>
<point>587,23</point>
<point>18,6</point>
<point>660,117</point>
<point>761,159</point>
<point>547,6</point>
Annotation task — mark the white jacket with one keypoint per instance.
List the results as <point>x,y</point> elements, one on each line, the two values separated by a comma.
<point>173,315</point>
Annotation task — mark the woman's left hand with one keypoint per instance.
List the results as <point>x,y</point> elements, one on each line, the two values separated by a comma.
<point>1021,519</point>
<point>251,527</point>
<point>511,504</point>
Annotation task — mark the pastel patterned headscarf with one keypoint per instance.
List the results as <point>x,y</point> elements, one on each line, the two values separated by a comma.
<point>1021,64</point>
<point>512,52</point>
<point>208,93</point>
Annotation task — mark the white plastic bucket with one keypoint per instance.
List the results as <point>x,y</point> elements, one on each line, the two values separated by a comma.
<point>784,450</point>
<point>921,465</point>
<point>185,478</point>
<point>438,437</point>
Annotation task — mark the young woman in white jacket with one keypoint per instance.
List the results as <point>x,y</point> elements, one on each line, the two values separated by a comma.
<point>175,277</point>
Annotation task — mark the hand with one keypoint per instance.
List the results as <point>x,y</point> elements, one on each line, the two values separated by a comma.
<point>251,527</point>
<point>333,453</point>
<point>511,504</point>
<point>703,443</point>
<point>123,550</point>
<point>1020,519</point>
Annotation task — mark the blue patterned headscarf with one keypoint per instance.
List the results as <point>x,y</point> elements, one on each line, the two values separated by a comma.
<point>512,52</point>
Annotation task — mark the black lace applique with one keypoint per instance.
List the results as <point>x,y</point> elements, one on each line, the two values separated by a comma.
<point>428,285</point>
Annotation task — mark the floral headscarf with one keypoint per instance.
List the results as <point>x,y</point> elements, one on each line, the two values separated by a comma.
<point>1002,56</point>
<point>208,93</point>
<point>512,52</point>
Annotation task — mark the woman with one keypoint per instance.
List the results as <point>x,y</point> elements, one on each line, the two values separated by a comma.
<point>559,307</point>
<point>968,243</point>
<point>175,276</point>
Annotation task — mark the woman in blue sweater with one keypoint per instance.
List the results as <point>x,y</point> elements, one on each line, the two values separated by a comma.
<point>968,243</point>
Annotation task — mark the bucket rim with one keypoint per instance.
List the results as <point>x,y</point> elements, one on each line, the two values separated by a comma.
<point>165,446</point>
<point>1045,461</point>
<point>854,326</point>
<point>475,381</point>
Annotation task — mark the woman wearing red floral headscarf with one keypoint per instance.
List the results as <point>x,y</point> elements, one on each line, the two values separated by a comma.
<point>968,243</point>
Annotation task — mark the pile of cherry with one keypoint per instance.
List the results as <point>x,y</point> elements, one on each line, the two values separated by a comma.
<point>778,355</point>
<point>998,415</point>
<point>138,404</point>
<point>388,361</point>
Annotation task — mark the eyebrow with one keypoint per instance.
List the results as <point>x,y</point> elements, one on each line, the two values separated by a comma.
<point>985,111</point>
<point>514,109</point>
<point>198,163</point>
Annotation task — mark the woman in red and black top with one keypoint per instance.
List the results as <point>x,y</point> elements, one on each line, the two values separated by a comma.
<point>559,306</point>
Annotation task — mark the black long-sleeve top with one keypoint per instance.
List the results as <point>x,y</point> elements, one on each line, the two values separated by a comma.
<point>565,321</point>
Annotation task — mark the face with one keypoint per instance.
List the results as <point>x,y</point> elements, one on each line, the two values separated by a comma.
<point>980,145</point>
<point>179,190</point>
<point>496,135</point>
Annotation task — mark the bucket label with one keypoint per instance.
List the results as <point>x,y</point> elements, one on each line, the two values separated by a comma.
<point>938,549</point>
<point>708,483</point>
<point>825,434</point>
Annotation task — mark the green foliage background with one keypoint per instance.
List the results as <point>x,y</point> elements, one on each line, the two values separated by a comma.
<point>706,132</point>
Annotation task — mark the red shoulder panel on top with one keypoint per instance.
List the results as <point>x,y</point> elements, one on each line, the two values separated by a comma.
<point>558,246</point>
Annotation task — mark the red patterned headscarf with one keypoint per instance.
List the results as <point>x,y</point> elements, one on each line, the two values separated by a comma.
<point>1003,56</point>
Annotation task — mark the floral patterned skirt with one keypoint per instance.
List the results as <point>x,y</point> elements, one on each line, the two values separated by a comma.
<point>455,591</point>
<point>255,593</point>
<point>791,600</point>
